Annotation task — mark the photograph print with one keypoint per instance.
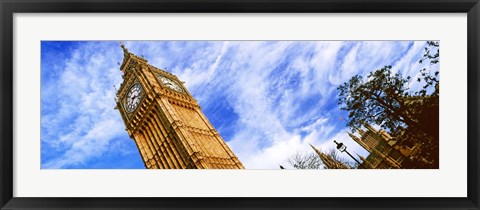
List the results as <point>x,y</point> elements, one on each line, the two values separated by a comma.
<point>282,105</point>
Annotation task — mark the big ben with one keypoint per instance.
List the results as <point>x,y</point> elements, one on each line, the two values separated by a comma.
<point>166,122</point>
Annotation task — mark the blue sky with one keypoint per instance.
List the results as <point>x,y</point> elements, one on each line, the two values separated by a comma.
<point>268,99</point>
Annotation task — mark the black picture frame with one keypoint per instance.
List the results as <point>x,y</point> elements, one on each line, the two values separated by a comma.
<point>9,7</point>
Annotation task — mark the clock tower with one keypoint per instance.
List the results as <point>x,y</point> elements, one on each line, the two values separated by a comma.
<point>166,122</point>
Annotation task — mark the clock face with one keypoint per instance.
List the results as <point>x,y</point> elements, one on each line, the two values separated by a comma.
<point>170,83</point>
<point>133,97</point>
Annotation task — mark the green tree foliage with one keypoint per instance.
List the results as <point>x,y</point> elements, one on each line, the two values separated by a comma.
<point>430,79</point>
<point>380,100</point>
<point>385,99</point>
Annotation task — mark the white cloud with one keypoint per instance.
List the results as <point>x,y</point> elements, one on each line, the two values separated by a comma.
<point>203,69</point>
<point>348,68</point>
<point>85,123</point>
<point>262,140</point>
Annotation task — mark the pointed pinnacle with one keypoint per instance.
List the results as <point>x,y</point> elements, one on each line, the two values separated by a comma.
<point>122,45</point>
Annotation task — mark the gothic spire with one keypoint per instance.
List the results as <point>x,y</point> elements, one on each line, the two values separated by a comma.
<point>359,141</point>
<point>127,56</point>
<point>365,162</point>
<point>328,161</point>
<point>370,127</point>
<point>122,45</point>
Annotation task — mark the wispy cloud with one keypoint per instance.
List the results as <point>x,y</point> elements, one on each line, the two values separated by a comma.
<point>79,123</point>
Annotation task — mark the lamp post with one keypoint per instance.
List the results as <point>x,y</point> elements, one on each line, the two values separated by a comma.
<point>342,148</point>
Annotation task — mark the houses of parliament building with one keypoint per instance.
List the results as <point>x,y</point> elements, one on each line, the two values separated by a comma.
<point>384,151</point>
